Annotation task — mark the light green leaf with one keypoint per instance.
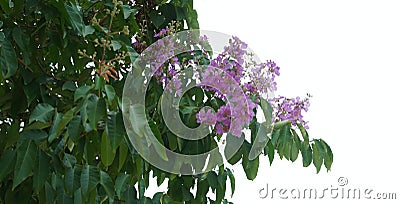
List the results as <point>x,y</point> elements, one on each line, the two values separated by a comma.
<point>110,92</point>
<point>8,59</point>
<point>81,92</point>
<point>42,112</point>
<point>128,11</point>
<point>26,155</point>
<point>75,17</point>
<point>132,54</point>
<point>116,45</point>
<point>90,177</point>
<point>41,170</point>
<point>106,153</point>
<point>87,30</point>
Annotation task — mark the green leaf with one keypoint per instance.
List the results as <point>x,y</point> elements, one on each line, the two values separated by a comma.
<point>75,128</point>
<point>36,135</point>
<point>212,179</point>
<point>304,133</point>
<point>294,151</point>
<point>90,177</point>
<point>270,150</point>
<point>69,160</point>
<point>81,92</point>
<point>96,110</point>
<point>115,129</point>
<point>250,167</point>
<point>267,110</point>
<point>121,184</point>
<point>156,19</point>
<point>328,159</point>
<point>110,92</point>
<point>306,153</point>
<point>132,53</point>
<point>130,195</point>
<point>69,85</point>
<point>26,155</point>
<point>123,153</point>
<point>8,59</point>
<point>106,153</point>
<point>75,17</point>
<point>127,10</point>
<point>72,179</point>
<point>87,30</point>
<point>115,45</point>
<point>54,127</point>
<point>7,162</point>
<point>41,170</point>
<point>317,156</point>
<point>232,181</point>
<point>42,112</point>
<point>108,185</point>
<point>59,124</point>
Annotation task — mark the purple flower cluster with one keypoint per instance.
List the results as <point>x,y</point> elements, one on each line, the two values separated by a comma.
<point>232,76</point>
<point>290,109</point>
<point>161,33</point>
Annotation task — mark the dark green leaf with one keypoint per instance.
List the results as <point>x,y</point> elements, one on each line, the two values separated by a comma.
<point>121,184</point>
<point>108,185</point>
<point>115,129</point>
<point>232,180</point>
<point>8,59</point>
<point>96,110</point>
<point>7,162</point>
<point>90,177</point>
<point>26,155</point>
<point>106,153</point>
<point>41,170</point>
<point>36,135</point>
<point>212,179</point>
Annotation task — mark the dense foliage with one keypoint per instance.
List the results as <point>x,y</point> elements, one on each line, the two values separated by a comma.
<point>63,66</point>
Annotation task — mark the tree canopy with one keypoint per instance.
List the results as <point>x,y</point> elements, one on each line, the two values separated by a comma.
<point>62,136</point>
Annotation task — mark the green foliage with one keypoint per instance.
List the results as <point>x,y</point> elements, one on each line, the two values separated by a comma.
<point>62,137</point>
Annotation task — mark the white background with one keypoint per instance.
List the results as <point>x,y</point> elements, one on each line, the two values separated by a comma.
<point>347,55</point>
